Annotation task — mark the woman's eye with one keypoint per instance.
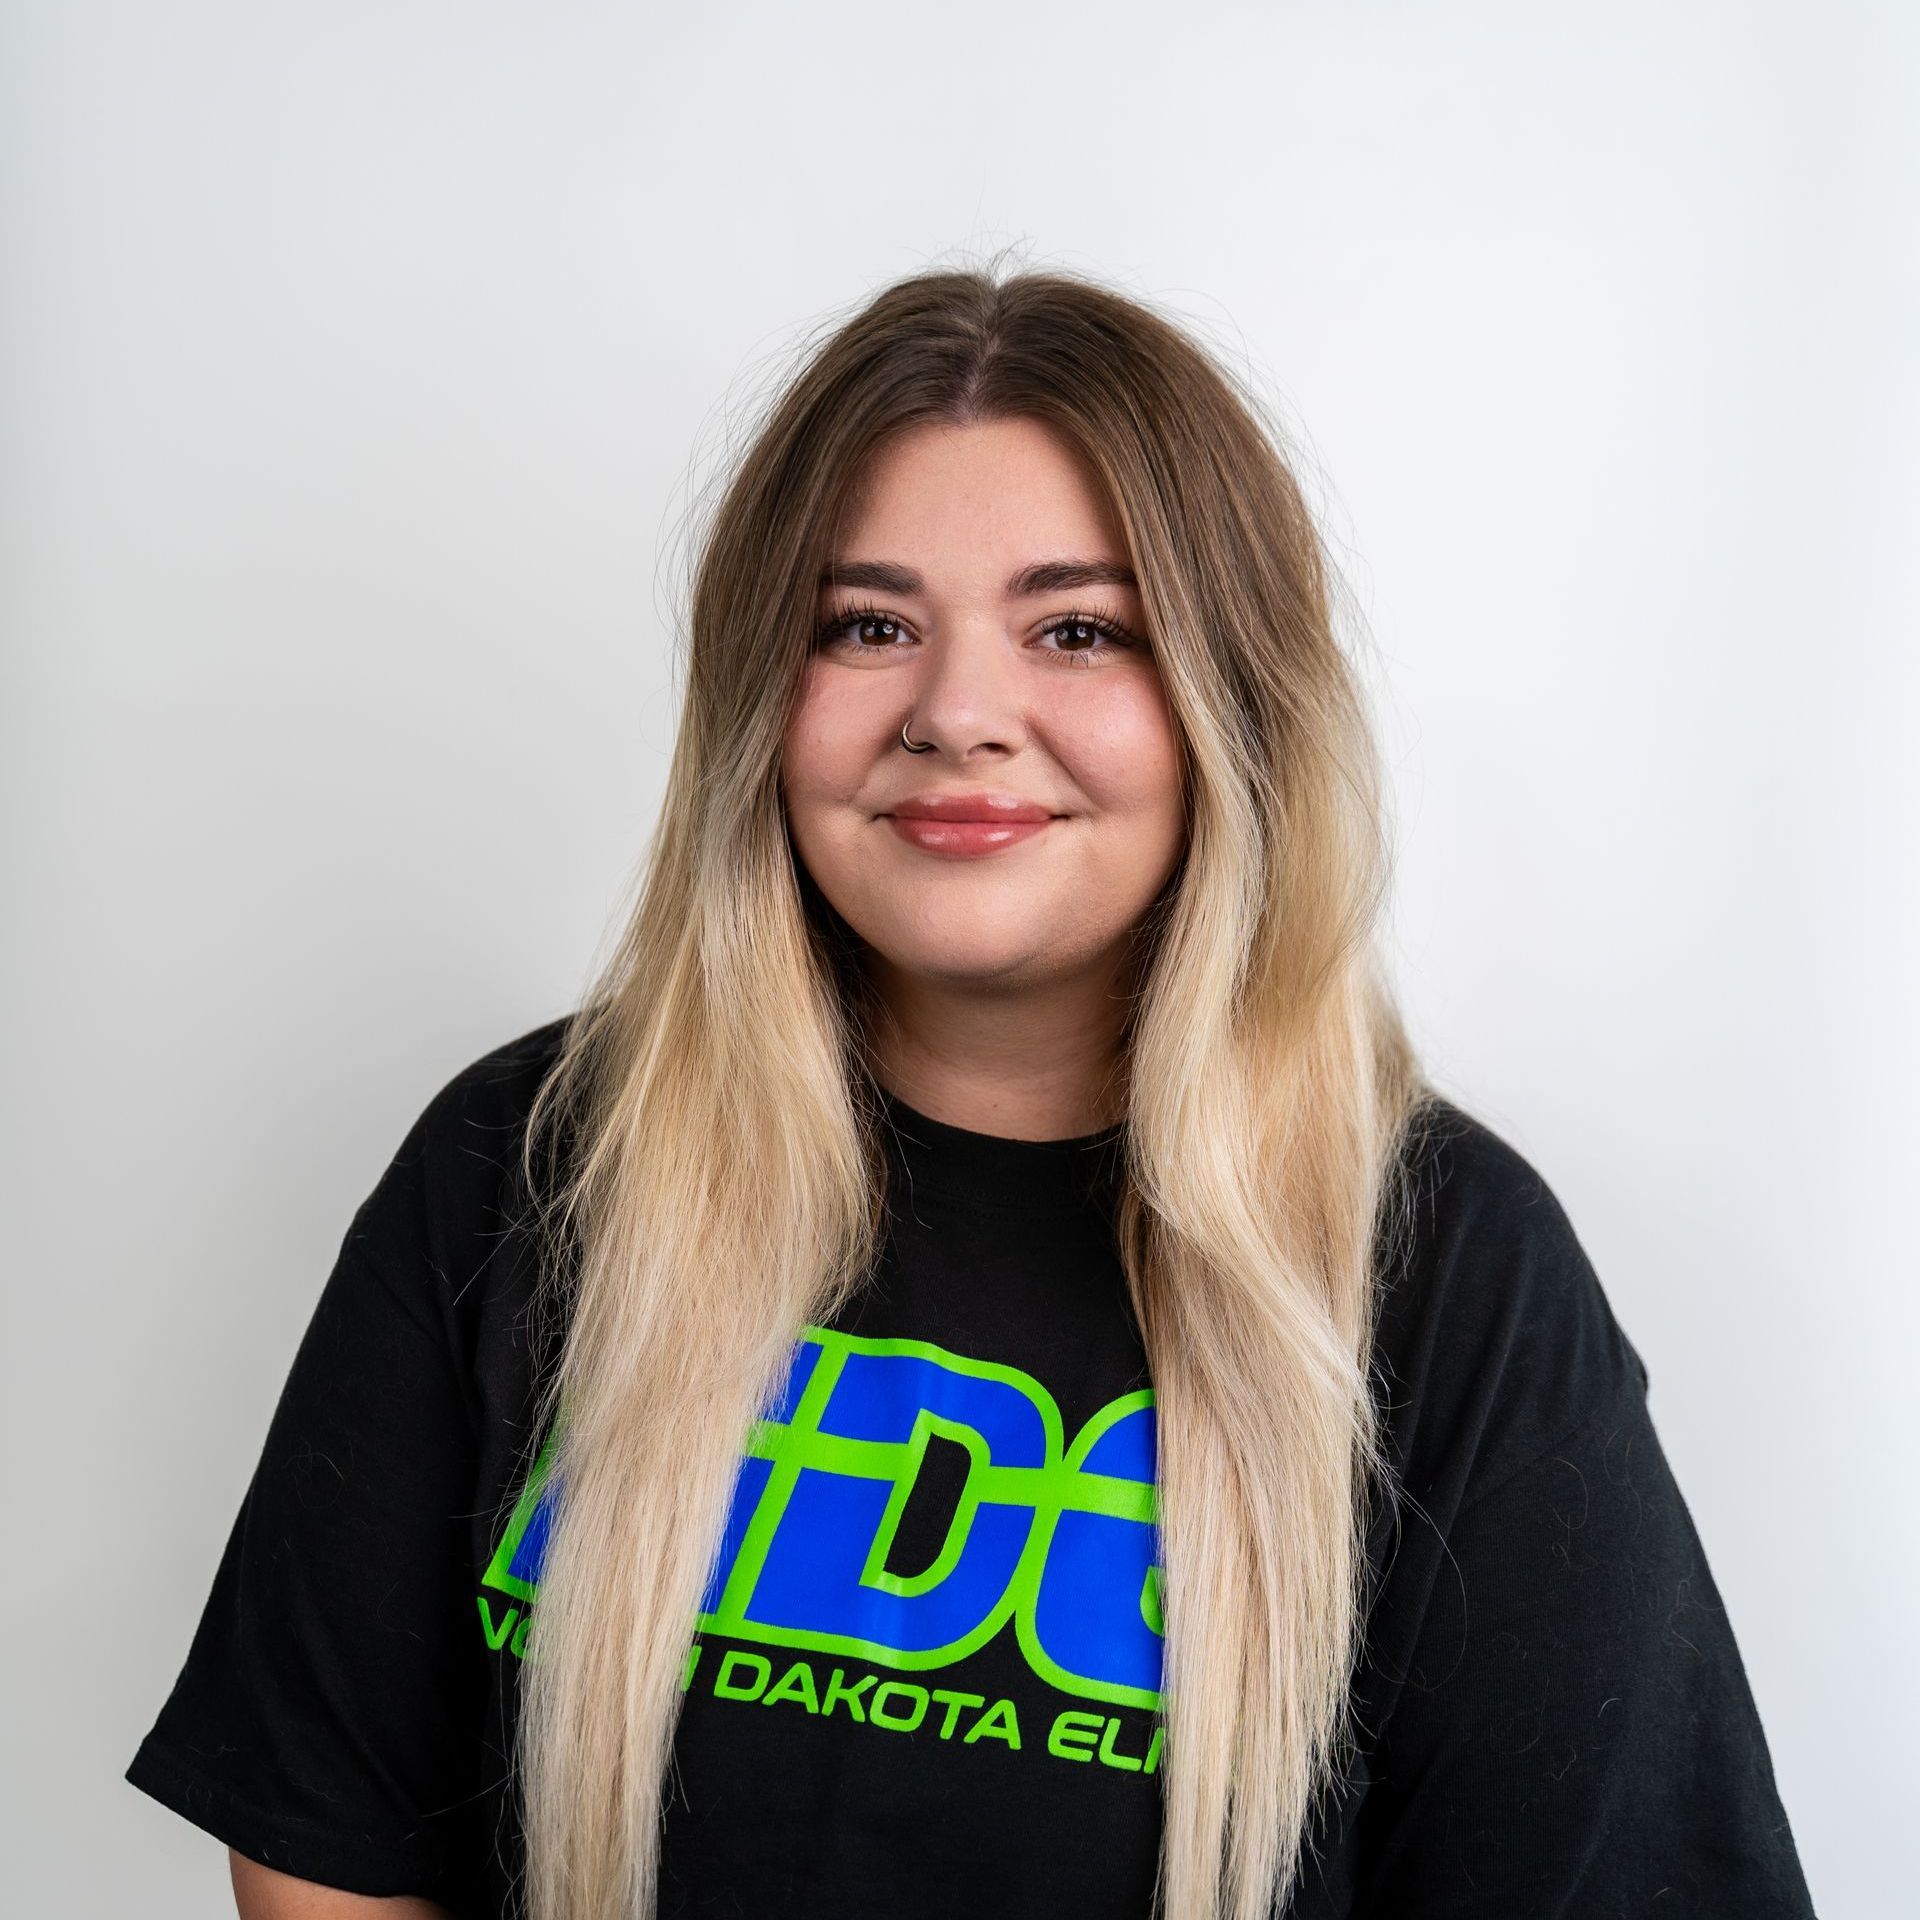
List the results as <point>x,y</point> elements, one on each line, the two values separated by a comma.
<point>865,627</point>
<point>1086,636</point>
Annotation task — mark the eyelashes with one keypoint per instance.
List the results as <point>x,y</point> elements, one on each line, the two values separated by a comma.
<point>830,634</point>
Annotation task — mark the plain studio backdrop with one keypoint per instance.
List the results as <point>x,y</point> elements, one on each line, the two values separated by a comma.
<point>361,364</point>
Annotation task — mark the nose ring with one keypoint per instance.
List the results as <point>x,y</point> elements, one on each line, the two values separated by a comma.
<point>925,746</point>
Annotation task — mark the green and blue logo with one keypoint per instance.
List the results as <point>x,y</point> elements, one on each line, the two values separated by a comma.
<point>1059,1537</point>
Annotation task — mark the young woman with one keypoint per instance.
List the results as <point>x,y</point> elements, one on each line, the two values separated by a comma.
<point>973,1375</point>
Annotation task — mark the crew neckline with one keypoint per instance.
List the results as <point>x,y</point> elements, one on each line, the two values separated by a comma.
<point>994,1170</point>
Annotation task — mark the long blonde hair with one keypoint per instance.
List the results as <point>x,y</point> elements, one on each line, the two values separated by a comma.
<point>725,1183</point>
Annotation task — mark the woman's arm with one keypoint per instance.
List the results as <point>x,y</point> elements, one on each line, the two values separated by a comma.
<point>327,1720</point>
<point>259,1893</point>
<point>1575,1732</point>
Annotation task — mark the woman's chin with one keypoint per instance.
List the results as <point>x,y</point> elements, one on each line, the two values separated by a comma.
<point>960,955</point>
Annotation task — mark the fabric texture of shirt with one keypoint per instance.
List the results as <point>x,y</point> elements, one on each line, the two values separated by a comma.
<point>927,1667</point>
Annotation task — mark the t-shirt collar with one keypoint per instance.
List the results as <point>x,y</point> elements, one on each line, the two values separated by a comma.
<point>993,1170</point>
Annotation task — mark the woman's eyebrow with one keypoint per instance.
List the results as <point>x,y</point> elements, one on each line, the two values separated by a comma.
<point>1060,576</point>
<point>1043,576</point>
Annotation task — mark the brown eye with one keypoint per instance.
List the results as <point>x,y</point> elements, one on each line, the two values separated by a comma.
<point>1084,633</point>
<point>865,625</point>
<point>1091,636</point>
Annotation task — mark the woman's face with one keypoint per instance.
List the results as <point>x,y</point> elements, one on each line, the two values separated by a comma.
<point>957,582</point>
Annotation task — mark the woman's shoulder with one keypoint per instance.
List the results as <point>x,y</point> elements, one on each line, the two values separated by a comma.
<point>496,1089</point>
<point>1495,1337</point>
<point>453,1201</point>
<point>1554,1703</point>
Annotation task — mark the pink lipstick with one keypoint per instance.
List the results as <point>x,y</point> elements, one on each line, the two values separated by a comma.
<point>967,824</point>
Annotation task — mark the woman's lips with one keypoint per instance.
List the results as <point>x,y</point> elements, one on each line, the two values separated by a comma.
<point>964,839</point>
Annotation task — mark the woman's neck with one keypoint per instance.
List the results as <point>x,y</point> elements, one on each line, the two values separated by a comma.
<point>1040,1064</point>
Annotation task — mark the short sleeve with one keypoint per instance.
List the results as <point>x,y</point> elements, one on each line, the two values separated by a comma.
<point>322,1722</point>
<point>1575,1733</point>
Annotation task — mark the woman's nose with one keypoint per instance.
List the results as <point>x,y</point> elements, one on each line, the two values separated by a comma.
<point>969,687</point>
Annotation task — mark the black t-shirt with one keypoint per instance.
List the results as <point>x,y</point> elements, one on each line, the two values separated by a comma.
<point>926,1675</point>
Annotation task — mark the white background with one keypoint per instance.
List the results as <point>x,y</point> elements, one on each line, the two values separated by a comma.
<point>356,362</point>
